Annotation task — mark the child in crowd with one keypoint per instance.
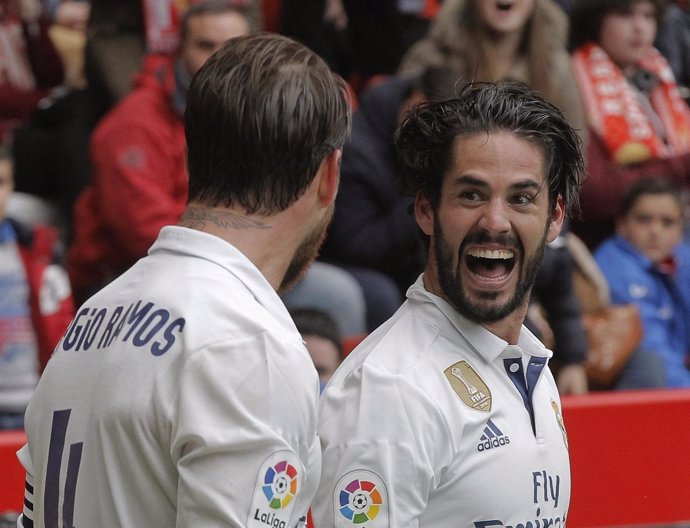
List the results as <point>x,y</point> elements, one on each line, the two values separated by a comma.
<point>35,303</point>
<point>322,339</point>
<point>646,263</point>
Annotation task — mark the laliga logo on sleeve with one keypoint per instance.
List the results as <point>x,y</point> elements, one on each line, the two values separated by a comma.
<point>280,484</point>
<point>360,499</point>
<point>277,485</point>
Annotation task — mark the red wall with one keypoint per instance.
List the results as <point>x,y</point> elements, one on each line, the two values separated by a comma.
<point>630,457</point>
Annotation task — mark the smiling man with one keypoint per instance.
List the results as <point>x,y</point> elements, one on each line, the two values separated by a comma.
<point>448,415</point>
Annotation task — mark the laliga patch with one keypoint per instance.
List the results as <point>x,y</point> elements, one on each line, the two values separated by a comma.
<point>277,485</point>
<point>360,499</point>
<point>469,386</point>
<point>559,419</point>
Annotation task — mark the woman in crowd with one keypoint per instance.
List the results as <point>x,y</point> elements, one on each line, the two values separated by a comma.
<point>522,40</point>
<point>638,122</point>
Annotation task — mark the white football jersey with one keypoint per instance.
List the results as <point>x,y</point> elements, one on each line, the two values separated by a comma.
<point>181,395</point>
<point>433,421</point>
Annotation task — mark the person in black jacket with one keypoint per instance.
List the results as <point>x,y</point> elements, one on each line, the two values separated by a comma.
<point>374,234</point>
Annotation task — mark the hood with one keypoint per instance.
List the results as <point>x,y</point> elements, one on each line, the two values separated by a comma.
<point>550,25</point>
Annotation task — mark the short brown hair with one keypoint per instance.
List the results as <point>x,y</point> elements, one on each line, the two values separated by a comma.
<point>262,114</point>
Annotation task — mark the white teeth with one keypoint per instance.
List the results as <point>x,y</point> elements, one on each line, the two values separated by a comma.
<point>502,254</point>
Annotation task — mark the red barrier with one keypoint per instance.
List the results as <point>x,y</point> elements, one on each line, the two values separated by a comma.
<point>630,457</point>
<point>12,472</point>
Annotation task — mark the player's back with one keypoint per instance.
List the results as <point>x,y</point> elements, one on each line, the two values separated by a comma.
<point>122,399</point>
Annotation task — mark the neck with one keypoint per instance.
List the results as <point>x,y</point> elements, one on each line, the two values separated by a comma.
<point>507,328</point>
<point>503,52</point>
<point>268,241</point>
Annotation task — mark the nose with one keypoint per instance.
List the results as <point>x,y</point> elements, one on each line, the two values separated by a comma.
<point>495,217</point>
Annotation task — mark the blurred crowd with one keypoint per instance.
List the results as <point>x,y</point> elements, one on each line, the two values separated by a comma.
<point>92,102</point>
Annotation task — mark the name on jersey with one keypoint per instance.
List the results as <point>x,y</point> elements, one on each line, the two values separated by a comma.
<point>142,324</point>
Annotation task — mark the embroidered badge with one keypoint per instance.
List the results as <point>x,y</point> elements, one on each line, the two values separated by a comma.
<point>360,499</point>
<point>278,482</point>
<point>469,386</point>
<point>559,418</point>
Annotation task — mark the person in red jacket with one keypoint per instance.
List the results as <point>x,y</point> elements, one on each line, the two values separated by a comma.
<point>138,180</point>
<point>35,302</point>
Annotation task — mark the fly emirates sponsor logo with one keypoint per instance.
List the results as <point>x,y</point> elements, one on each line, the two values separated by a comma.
<point>546,495</point>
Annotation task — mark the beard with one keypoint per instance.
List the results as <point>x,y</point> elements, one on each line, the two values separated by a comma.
<point>306,252</point>
<point>483,310</point>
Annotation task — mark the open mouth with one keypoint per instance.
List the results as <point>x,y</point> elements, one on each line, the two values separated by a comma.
<point>493,264</point>
<point>504,6</point>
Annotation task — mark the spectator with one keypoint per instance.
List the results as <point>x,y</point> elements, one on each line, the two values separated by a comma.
<point>374,235</point>
<point>182,394</point>
<point>120,34</point>
<point>524,40</point>
<point>35,302</point>
<point>638,123</point>
<point>138,182</point>
<point>322,339</point>
<point>647,264</point>
<point>554,293</point>
<point>673,42</point>
<point>68,31</point>
<point>30,66</point>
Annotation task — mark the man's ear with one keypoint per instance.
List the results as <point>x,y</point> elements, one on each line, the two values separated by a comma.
<point>557,219</point>
<point>424,214</point>
<point>329,174</point>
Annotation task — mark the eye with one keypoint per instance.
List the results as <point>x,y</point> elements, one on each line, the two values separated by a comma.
<point>470,195</point>
<point>523,199</point>
<point>669,222</point>
<point>643,219</point>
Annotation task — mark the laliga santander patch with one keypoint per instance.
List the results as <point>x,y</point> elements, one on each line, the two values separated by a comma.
<point>277,485</point>
<point>360,499</point>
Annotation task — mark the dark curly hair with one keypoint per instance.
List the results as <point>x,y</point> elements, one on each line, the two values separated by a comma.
<point>425,138</point>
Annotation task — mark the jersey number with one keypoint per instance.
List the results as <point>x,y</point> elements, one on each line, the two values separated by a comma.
<point>51,497</point>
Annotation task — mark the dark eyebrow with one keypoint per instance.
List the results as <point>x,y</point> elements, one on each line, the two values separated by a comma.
<point>527,184</point>
<point>519,186</point>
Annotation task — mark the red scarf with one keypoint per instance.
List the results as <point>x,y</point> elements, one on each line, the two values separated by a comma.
<point>616,115</point>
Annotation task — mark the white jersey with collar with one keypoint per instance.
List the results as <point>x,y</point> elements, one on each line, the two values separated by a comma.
<point>181,395</point>
<point>423,425</point>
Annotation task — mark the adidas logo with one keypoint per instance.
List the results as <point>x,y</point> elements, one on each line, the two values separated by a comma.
<point>492,437</point>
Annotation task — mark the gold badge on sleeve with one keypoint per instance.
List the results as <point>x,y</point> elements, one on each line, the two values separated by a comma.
<point>469,386</point>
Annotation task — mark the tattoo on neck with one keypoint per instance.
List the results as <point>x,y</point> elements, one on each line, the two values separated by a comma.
<point>196,218</point>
